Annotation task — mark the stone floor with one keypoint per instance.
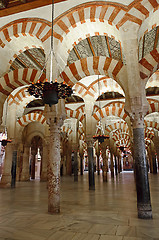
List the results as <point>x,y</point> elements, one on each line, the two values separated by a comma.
<point>108,213</point>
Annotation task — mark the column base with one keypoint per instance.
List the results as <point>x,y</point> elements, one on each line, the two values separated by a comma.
<point>5,181</point>
<point>104,176</point>
<point>144,211</point>
<point>43,177</point>
<point>53,210</point>
<point>5,185</point>
<point>75,178</point>
<point>91,187</point>
<point>25,179</point>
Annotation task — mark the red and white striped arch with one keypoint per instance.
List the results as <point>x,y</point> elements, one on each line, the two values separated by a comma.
<point>18,96</point>
<point>151,124</point>
<point>106,85</point>
<point>31,117</point>
<point>91,66</point>
<point>20,35</point>
<point>149,133</point>
<point>78,113</point>
<point>80,131</point>
<point>66,129</point>
<point>153,80</point>
<point>149,64</point>
<point>120,135</point>
<point>114,13</point>
<point>153,106</point>
<point>102,18</point>
<point>17,78</point>
<point>147,142</point>
<point>112,109</point>
<point>37,27</point>
<point>117,125</point>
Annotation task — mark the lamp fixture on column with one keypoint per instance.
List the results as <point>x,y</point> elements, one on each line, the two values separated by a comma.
<point>4,139</point>
<point>100,136</point>
<point>50,91</point>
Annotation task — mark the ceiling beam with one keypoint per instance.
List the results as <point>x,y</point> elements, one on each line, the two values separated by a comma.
<point>30,4</point>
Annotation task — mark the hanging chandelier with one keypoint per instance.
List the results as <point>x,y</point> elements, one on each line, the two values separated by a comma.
<point>50,91</point>
<point>100,136</point>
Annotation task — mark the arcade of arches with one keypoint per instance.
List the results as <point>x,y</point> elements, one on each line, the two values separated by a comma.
<point>108,51</point>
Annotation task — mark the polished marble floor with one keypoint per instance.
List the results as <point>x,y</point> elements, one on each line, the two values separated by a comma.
<point>108,213</point>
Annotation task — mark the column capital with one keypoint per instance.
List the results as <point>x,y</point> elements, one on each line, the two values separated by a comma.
<point>137,119</point>
<point>90,142</point>
<point>56,113</point>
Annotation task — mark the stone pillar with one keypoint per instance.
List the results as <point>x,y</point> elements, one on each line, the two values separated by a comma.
<point>13,170</point>
<point>75,164</point>
<point>153,157</point>
<point>97,154</point>
<point>54,169</point>
<point>81,154</point>
<point>68,159</point>
<point>156,144</point>
<point>44,159</point>
<point>119,165</point>
<point>81,164</point>
<point>33,156</point>
<point>54,117</point>
<point>98,165</point>
<point>25,167</point>
<point>91,164</point>
<point>116,166</point>
<point>112,164</point>
<point>6,174</point>
<point>105,164</point>
<point>140,165</point>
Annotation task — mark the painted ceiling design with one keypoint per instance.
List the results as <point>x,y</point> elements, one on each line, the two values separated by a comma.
<point>149,42</point>
<point>31,58</point>
<point>96,46</point>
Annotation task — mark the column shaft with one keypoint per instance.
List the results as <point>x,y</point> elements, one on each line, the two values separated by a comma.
<point>25,167</point>
<point>54,170</point>
<point>75,166</point>
<point>6,174</point>
<point>33,166</point>
<point>91,168</point>
<point>112,165</point>
<point>98,165</point>
<point>81,164</point>
<point>142,183</point>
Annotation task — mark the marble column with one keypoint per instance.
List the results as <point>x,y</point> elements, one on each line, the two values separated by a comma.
<point>69,160</point>
<point>105,165</point>
<point>97,154</point>
<point>91,164</point>
<point>6,174</point>
<point>140,165</point>
<point>116,165</point>
<point>153,156</point>
<point>119,165</point>
<point>13,170</point>
<point>25,167</point>
<point>112,164</point>
<point>75,165</point>
<point>54,169</point>
<point>44,159</point>
<point>156,144</point>
<point>55,116</point>
<point>81,164</point>
<point>33,156</point>
<point>98,165</point>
